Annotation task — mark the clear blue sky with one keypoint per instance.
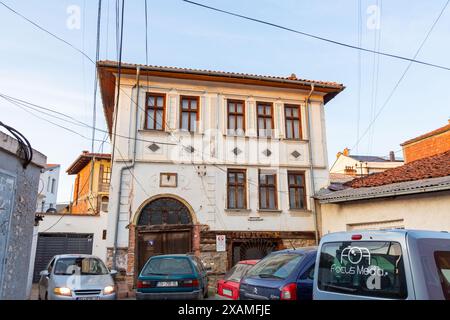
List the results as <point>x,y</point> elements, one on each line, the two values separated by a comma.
<point>38,68</point>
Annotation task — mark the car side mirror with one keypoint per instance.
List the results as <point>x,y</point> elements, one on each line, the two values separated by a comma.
<point>113,273</point>
<point>44,273</point>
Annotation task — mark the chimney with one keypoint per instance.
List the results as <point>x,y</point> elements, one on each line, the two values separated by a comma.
<point>85,151</point>
<point>391,156</point>
<point>346,152</point>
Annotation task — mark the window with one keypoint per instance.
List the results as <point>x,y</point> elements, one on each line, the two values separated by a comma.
<point>167,266</point>
<point>48,184</point>
<point>363,268</point>
<point>267,191</point>
<point>189,113</point>
<point>292,120</point>
<point>42,206</point>
<point>53,185</point>
<point>236,185</point>
<point>106,175</point>
<point>276,266</point>
<point>442,259</point>
<point>155,111</point>
<point>80,266</point>
<point>236,117</point>
<point>104,204</point>
<point>297,194</point>
<point>237,272</point>
<point>265,119</point>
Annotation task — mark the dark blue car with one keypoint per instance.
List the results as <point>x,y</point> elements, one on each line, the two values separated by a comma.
<point>282,275</point>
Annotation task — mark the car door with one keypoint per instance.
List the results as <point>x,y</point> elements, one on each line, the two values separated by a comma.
<point>44,280</point>
<point>202,273</point>
<point>305,283</point>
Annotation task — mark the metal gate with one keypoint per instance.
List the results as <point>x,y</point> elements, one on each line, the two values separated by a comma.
<point>7,190</point>
<point>51,244</point>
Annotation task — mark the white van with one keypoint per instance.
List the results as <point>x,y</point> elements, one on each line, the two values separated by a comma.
<point>391,264</point>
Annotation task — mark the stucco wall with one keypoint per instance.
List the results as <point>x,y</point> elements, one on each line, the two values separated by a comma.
<point>428,212</point>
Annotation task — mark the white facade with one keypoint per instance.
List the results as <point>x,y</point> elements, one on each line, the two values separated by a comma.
<point>48,188</point>
<point>361,167</point>
<point>202,178</point>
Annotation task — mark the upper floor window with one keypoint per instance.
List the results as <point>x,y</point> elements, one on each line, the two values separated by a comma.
<point>236,117</point>
<point>236,189</point>
<point>293,122</point>
<point>189,113</point>
<point>155,110</point>
<point>53,185</point>
<point>297,194</point>
<point>48,183</point>
<point>268,191</point>
<point>265,119</point>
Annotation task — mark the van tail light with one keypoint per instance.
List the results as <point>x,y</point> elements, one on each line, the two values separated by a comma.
<point>356,237</point>
<point>289,292</point>
<point>190,283</point>
<point>144,284</point>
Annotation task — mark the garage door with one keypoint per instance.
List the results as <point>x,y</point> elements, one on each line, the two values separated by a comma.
<point>51,244</point>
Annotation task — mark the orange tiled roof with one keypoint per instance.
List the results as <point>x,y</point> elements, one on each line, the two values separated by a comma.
<point>430,167</point>
<point>429,134</point>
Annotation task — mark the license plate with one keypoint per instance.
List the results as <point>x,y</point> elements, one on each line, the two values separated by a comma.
<point>227,292</point>
<point>87,298</point>
<point>167,284</point>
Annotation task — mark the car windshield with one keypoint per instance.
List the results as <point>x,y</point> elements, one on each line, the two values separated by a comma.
<point>367,268</point>
<point>277,266</point>
<point>166,266</point>
<point>237,272</point>
<point>80,266</point>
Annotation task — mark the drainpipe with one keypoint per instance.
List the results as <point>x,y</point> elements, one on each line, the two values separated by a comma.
<point>311,166</point>
<point>128,167</point>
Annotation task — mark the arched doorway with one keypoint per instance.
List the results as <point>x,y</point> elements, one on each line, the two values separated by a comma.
<point>164,226</point>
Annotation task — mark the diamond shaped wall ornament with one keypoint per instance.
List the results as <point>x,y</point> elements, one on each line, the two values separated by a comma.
<point>296,154</point>
<point>267,152</point>
<point>154,147</point>
<point>189,149</point>
<point>236,151</point>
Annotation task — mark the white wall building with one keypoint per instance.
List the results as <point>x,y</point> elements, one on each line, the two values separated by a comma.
<point>48,188</point>
<point>203,153</point>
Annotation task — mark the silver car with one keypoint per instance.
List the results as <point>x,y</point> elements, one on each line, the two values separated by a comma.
<point>387,264</point>
<point>77,277</point>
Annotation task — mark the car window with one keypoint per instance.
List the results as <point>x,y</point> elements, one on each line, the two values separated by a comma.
<point>442,259</point>
<point>237,272</point>
<point>366,268</point>
<point>166,266</point>
<point>308,274</point>
<point>81,266</point>
<point>50,266</point>
<point>276,266</point>
<point>197,263</point>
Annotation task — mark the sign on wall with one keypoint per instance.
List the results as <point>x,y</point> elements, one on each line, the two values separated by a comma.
<point>220,242</point>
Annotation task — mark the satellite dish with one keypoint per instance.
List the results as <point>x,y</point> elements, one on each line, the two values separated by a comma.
<point>51,210</point>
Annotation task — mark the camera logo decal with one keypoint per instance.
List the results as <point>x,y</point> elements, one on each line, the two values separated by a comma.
<point>355,254</point>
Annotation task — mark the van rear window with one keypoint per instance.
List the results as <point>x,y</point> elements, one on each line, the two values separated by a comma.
<point>364,268</point>
<point>442,259</point>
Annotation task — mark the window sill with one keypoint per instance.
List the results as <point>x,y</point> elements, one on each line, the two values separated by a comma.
<point>295,140</point>
<point>300,211</point>
<point>269,210</point>
<point>238,210</point>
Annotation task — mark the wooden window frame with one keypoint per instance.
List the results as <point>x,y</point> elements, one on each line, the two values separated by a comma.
<point>235,114</point>
<point>154,110</point>
<point>189,111</point>
<point>297,187</point>
<point>268,186</point>
<point>264,116</point>
<point>236,185</point>
<point>292,118</point>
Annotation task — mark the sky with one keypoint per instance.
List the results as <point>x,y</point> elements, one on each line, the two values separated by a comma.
<point>38,68</point>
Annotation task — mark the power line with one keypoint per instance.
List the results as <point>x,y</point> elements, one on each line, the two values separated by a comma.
<point>403,74</point>
<point>318,37</point>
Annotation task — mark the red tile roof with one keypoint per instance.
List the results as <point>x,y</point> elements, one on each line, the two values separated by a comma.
<point>84,159</point>
<point>430,167</point>
<point>427,135</point>
<point>52,165</point>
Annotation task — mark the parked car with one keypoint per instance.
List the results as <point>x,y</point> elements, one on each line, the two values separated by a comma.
<point>282,275</point>
<point>390,264</point>
<point>228,287</point>
<point>76,277</point>
<point>174,276</point>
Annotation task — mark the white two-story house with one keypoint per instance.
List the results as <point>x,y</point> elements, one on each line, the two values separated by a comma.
<point>220,164</point>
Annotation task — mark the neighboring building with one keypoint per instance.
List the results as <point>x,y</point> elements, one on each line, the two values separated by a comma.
<point>18,195</point>
<point>413,196</point>
<point>206,154</point>
<point>426,145</point>
<point>357,166</point>
<point>48,188</point>
<point>90,192</point>
<point>69,229</point>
